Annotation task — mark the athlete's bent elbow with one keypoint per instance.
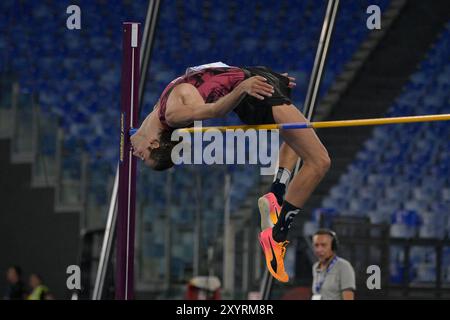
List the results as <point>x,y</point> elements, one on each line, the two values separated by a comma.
<point>218,112</point>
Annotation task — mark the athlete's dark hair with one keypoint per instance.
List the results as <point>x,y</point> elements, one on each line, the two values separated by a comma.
<point>162,156</point>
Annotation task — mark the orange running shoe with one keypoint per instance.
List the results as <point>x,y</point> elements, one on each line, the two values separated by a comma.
<point>274,253</point>
<point>269,209</point>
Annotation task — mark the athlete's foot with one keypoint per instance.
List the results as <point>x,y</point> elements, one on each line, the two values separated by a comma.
<point>269,210</point>
<point>274,253</point>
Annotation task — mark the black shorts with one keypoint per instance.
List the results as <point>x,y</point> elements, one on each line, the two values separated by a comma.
<point>251,110</point>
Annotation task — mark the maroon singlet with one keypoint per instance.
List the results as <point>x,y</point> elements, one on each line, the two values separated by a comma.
<point>212,84</point>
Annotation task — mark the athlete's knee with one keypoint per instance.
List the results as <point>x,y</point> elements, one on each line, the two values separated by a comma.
<point>325,162</point>
<point>320,163</point>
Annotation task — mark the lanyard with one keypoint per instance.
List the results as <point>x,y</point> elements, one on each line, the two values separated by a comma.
<point>319,284</point>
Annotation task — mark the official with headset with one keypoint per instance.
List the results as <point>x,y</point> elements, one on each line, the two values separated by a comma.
<point>333,276</point>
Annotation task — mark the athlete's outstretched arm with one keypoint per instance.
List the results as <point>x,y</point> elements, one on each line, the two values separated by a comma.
<point>186,104</point>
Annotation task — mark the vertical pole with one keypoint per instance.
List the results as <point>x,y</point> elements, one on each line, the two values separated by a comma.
<point>198,224</point>
<point>245,261</point>
<point>127,162</point>
<point>228,241</point>
<point>319,63</point>
<point>311,96</point>
<point>107,241</point>
<point>14,115</point>
<point>148,37</point>
<point>168,233</point>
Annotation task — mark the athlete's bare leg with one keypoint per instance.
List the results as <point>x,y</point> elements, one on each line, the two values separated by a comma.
<point>307,146</point>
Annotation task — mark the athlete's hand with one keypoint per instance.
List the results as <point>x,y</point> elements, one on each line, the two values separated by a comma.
<point>257,87</point>
<point>291,80</point>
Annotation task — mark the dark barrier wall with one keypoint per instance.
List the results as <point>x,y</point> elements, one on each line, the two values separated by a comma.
<point>32,235</point>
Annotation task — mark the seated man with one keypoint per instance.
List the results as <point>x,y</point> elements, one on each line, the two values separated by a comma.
<point>258,95</point>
